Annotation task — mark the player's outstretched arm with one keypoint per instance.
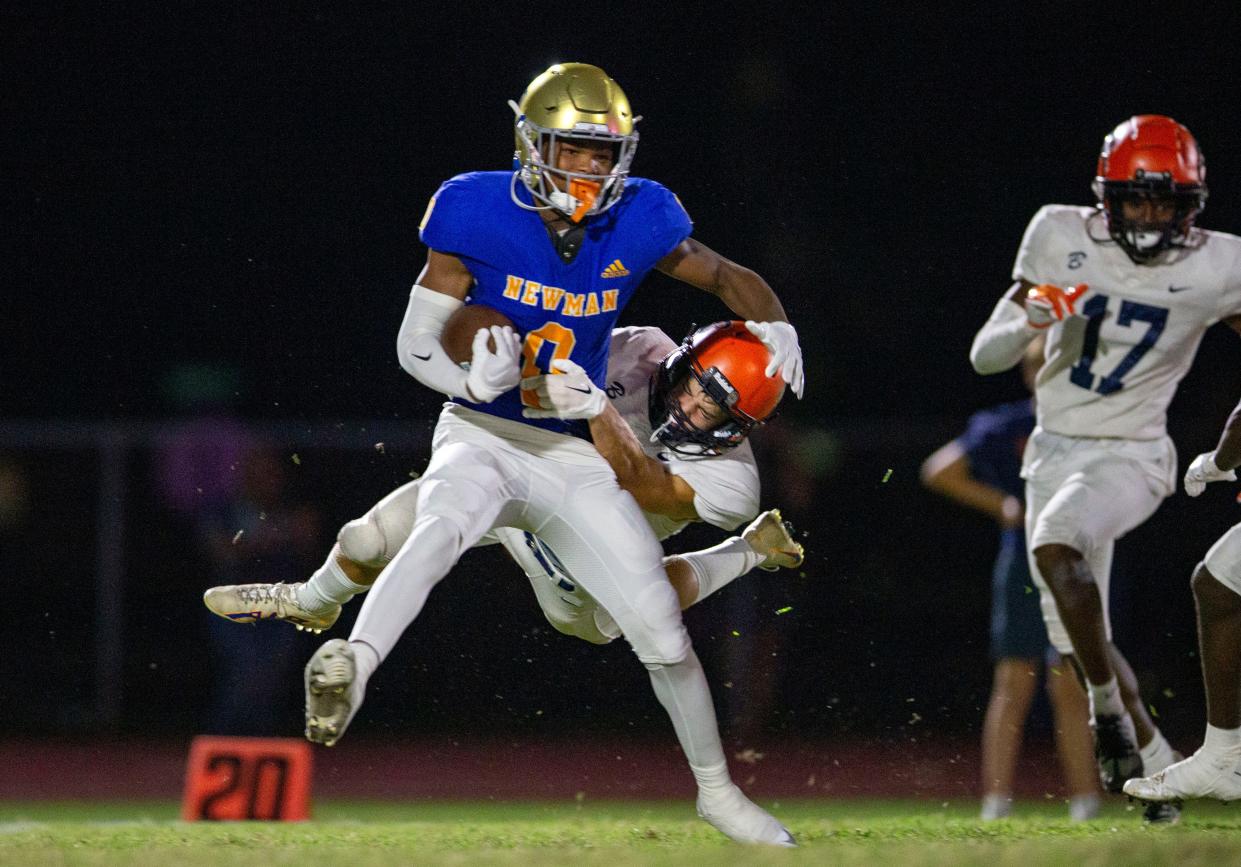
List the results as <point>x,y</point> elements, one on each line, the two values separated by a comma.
<point>1003,338</point>
<point>440,292</point>
<point>947,472</point>
<point>568,393</point>
<point>746,294</point>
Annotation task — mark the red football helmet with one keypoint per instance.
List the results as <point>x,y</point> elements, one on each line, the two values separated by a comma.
<point>1150,159</point>
<point>729,364</point>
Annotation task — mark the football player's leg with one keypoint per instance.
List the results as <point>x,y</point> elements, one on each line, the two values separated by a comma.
<point>464,492</point>
<point>1018,639</point>
<point>1217,595</point>
<point>1074,744</point>
<point>362,548</point>
<point>567,608</point>
<point>611,550</point>
<point>1155,751</point>
<point>766,543</point>
<point>1215,769</point>
<point>1070,539</point>
<point>1012,690</point>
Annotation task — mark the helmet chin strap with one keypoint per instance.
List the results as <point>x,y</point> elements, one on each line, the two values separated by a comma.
<point>567,241</point>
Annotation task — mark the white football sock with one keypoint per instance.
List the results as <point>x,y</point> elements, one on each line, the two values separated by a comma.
<point>1083,808</point>
<point>1156,755</point>
<point>1220,742</point>
<point>327,587</point>
<point>1105,699</point>
<point>366,660</point>
<point>719,566</point>
<point>682,690</point>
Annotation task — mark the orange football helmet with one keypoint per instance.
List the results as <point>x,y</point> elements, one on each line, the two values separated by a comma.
<point>1150,158</point>
<point>729,364</point>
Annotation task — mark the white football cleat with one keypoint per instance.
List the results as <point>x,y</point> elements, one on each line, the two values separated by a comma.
<point>772,536</point>
<point>333,694</point>
<point>740,819</point>
<point>1199,776</point>
<point>249,603</point>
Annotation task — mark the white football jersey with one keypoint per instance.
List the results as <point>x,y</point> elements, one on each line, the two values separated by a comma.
<point>1112,370</point>
<point>726,488</point>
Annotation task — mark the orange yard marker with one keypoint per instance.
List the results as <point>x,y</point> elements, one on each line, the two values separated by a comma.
<point>247,778</point>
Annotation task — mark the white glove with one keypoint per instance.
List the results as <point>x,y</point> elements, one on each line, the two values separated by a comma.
<point>493,373</point>
<point>566,392</point>
<point>780,338</point>
<point>1204,470</point>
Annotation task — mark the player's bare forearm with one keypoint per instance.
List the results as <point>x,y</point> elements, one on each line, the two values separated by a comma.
<point>1228,452</point>
<point>744,291</point>
<point>644,477</point>
<point>947,472</point>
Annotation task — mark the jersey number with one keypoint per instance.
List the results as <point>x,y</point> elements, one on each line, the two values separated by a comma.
<point>562,340</point>
<point>1130,311</point>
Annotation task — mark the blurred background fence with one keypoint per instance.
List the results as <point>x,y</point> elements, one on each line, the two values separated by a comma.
<point>111,531</point>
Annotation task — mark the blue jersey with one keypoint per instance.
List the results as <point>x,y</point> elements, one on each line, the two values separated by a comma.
<point>561,310</point>
<point>994,441</point>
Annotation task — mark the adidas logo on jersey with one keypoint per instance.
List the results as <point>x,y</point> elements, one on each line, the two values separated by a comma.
<point>616,269</point>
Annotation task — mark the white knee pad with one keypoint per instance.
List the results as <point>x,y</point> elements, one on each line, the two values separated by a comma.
<point>362,542</point>
<point>374,539</point>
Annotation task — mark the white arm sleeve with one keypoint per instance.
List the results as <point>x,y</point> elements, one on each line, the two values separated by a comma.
<point>1001,342</point>
<point>418,345</point>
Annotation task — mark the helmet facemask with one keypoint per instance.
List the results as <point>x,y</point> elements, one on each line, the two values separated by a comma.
<point>670,421</point>
<point>1151,163</point>
<point>1144,241</point>
<point>575,196</point>
<point>580,103</point>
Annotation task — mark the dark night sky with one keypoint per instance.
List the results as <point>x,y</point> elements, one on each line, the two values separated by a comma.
<point>244,185</point>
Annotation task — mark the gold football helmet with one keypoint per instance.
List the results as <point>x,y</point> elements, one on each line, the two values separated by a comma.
<point>572,101</point>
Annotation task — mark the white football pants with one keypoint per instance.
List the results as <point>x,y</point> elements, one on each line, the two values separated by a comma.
<point>1086,494</point>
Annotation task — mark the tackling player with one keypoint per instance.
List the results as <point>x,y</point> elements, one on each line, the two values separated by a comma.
<point>1124,292</point>
<point>698,466</point>
<point>558,245</point>
<point>1214,771</point>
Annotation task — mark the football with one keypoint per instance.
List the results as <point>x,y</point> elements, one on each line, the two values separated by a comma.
<point>458,335</point>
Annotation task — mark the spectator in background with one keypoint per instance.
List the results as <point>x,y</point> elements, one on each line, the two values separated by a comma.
<point>261,534</point>
<point>197,465</point>
<point>981,469</point>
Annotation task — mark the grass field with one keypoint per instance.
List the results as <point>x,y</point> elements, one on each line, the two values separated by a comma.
<point>836,832</point>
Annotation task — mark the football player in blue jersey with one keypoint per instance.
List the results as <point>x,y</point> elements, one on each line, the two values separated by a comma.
<point>558,245</point>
